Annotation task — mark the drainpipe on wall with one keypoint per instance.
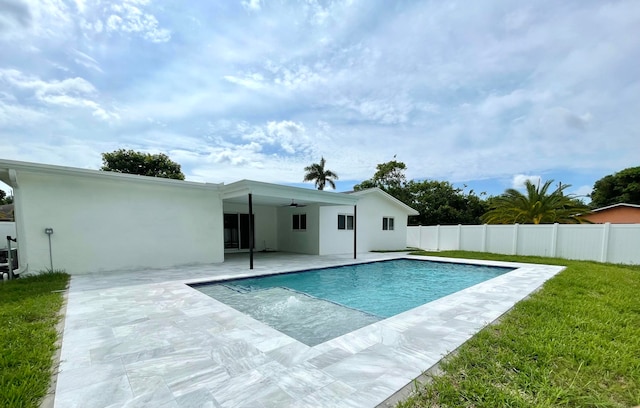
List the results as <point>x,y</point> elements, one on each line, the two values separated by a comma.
<point>23,265</point>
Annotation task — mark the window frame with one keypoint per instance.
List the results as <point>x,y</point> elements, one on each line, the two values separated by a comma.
<point>348,222</point>
<point>388,224</point>
<point>299,222</point>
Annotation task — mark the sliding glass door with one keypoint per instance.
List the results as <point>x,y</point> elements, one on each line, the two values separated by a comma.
<point>236,231</point>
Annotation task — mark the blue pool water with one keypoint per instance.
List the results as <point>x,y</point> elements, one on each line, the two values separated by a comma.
<point>317,305</point>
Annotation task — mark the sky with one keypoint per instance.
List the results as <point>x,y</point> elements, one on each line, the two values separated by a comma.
<point>482,94</point>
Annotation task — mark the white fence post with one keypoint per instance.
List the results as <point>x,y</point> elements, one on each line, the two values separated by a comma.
<point>554,240</point>
<point>484,237</point>
<point>515,239</point>
<point>420,237</point>
<point>605,242</point>
<point>438,237</point>
<point>459,237</point>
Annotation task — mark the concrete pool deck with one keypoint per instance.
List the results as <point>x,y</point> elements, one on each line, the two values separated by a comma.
<point>146,339</point>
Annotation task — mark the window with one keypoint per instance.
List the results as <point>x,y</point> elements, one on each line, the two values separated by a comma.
<point>345,222</point>
<point>299,221</point>
<point>387,223</point>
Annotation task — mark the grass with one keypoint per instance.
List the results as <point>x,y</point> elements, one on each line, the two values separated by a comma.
<point>28,317</point>
<point>574,343</point>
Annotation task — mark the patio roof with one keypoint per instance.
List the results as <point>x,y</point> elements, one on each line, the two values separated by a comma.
<point>278,195</point>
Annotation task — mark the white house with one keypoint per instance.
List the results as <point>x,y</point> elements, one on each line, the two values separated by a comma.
<point>93,221</point>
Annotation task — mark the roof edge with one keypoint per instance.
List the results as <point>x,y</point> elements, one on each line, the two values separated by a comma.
<point>378,190</point>
<point>616,205</point>
<point>242,187</point>
<point>91,173</point>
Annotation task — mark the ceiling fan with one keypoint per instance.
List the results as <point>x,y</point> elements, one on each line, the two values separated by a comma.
<point>294,204</point>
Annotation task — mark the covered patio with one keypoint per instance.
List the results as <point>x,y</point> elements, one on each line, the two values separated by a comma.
<point>283,218</point>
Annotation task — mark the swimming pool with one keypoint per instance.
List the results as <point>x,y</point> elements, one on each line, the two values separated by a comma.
<point>317,305</point>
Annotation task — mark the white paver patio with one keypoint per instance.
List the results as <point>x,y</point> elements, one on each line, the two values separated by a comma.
<point>146,339</point>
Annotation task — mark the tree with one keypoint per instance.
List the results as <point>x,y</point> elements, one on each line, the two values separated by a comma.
<point>439,203</point>
<point>389,177</point>
<point>536,207</point>
<point>316,172</point>
<point>620,187</point>
<point>4,199</point>
<point>144,164</point>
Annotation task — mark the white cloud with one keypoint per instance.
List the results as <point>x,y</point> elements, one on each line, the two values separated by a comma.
<point>45,88</point>
<point>240,155</point>
<point>13,114</point>
<point>129,18</point>
<point>583,192</point>
<point>297,77</point>
<point>49,19</point>
<point>289,136</point>
<point>495,105</point>
<point>71,92</point>
<point>85,60</point>
<point>386,112</point>
<point>519,180</point>
<point>251,81</point>
<point>251,5</point>
<point>81,5</point>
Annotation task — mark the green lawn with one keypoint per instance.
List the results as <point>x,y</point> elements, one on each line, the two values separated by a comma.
<point>574,343</point>
<point>28,317</point>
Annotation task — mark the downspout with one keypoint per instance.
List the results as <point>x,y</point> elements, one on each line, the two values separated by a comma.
<point>23,266</point>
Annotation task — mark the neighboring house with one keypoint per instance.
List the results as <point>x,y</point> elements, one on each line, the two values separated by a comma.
<point>615,214</point>
<point>104,221</point>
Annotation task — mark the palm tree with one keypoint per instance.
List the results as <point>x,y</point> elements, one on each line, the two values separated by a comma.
<point>536,207</point>
<point>321,176</point>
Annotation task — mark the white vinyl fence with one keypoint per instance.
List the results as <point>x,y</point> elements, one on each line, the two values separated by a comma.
<point>616,243</point>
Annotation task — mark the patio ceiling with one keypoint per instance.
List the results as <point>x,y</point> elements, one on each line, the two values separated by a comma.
<point>278,195</point>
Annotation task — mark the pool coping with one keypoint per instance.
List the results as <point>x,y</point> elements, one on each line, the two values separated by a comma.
<point>131,342</point>
<point>200,286</point>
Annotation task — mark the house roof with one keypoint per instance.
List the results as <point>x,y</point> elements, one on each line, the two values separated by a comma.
<point>262,193</point>
<point>7,166</point>
<point>616,205</point>
<point>387,196</point>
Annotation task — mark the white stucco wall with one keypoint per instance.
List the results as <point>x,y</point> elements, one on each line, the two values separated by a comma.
<point>303,242</point>
<point>332,240</point>
<point>265,219</point>
<point>371,209</point>
<point>112,223</point>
